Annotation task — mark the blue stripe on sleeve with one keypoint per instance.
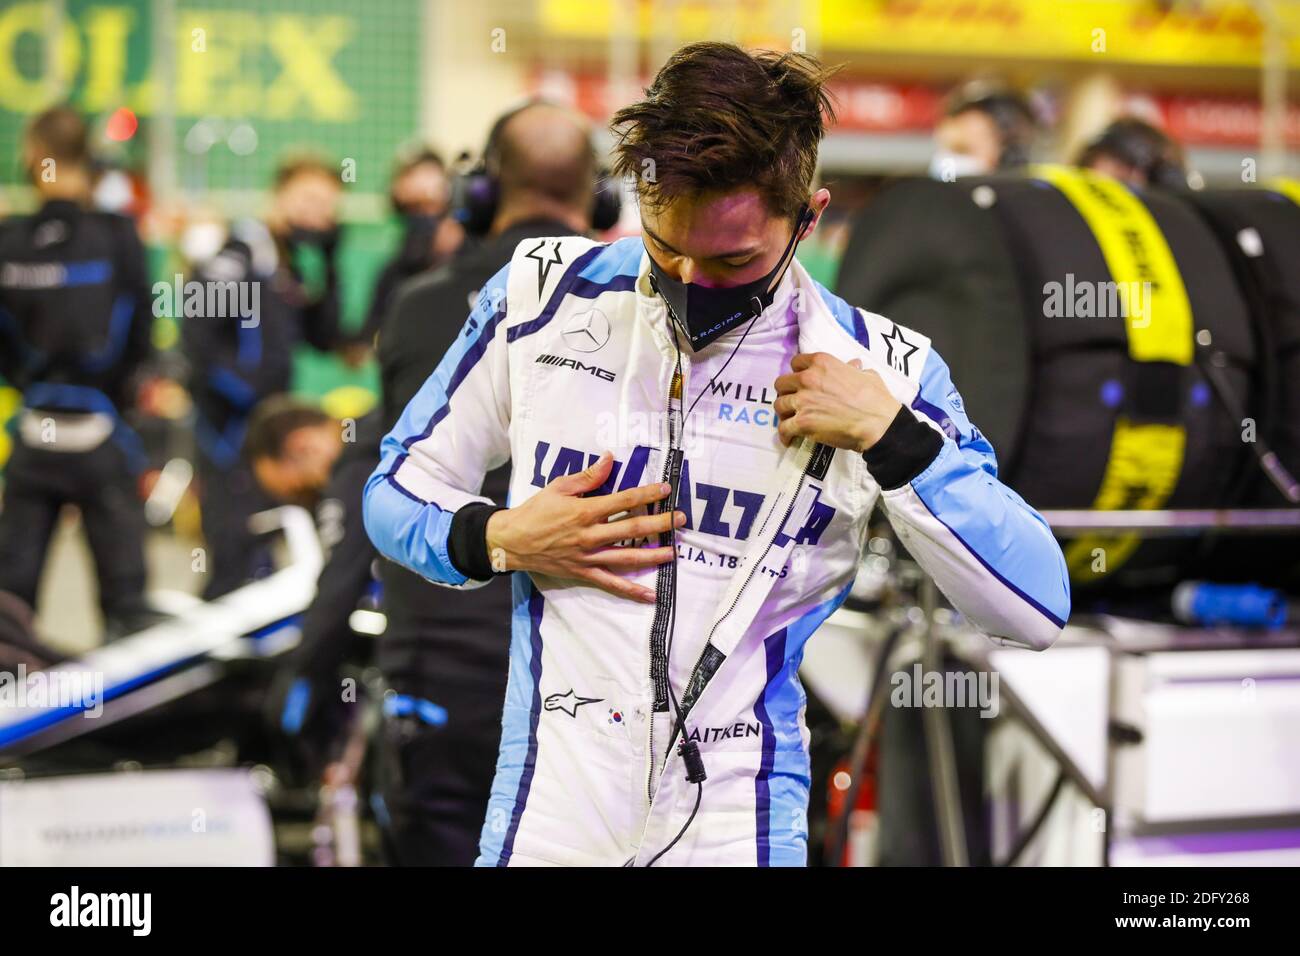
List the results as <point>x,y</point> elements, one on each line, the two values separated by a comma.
<point>431,405</point>
<point>1020,570</point>
<point>992,522</point>
<point>401,524</point>
<point>939,400</point>
<point>409,531</point>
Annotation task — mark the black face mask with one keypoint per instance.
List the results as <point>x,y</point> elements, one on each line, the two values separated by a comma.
<point>415,218</point>
<point>301,236</point>
<point>416,251</point>
<point>705,313</point>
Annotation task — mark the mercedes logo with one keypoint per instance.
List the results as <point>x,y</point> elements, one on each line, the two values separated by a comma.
<point>587,332</point>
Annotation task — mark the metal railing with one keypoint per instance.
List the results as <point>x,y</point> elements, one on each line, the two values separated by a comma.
<point>1174,523</point>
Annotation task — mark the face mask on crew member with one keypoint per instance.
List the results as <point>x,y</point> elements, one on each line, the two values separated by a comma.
<point>705,313</point>
<point>306,236</point>
<point>948,166</point>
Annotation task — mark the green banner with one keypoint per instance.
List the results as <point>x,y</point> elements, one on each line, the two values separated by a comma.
<point>241,83</point>
<point>241,80</point>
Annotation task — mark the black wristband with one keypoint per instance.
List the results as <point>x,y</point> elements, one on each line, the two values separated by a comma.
<point>467,542</point>
<point>904,451</point>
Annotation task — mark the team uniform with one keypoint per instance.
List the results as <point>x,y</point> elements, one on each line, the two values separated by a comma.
<point>75,323</point>
<point>312,710</point>
<point>444,650</point>
<point>568,353</point>
<point>235,362</point>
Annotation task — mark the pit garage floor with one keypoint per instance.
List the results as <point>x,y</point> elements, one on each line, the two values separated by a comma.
<point>67,608</point>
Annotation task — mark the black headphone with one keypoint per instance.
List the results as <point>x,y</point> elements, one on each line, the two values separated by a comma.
<point>475,192</point>
<point>1144,147</point>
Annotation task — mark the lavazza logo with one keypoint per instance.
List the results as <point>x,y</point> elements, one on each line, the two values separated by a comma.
<point>75,908</point>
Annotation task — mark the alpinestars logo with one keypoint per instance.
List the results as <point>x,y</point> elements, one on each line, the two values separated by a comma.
<point>569,702</point>
<point>899,351</point>
<point>561,362</point>
<point>544,259</point>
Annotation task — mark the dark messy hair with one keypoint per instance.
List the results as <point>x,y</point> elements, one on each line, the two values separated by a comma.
<point>717,118</point>
<point>272,422</point>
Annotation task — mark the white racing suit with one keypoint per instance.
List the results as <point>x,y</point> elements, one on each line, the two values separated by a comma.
<point>568,353</point>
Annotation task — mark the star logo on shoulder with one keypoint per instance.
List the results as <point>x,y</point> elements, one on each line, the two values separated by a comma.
<point>545,258</point>
<point>569,702</point>
<point>899,351</point>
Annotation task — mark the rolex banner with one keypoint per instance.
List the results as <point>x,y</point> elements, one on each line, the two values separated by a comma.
<point>244,79</point>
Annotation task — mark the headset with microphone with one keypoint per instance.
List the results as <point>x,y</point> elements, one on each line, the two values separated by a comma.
<point>476,192</point>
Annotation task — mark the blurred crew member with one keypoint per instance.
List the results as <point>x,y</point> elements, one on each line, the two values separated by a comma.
<point>75,323</point>
<point>750,421</point>
<point>984,129</point>
<point>1137,153</point>
<point>420,194</point>
<point>239,342</point>
<point>450,648</point>
<point>300,455</point>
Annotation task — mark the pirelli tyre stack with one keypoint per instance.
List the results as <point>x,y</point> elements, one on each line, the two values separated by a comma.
<point>1068,307</point>
<point>1259,229</point>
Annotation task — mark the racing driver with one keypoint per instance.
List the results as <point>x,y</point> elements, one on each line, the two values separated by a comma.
<point>698,433</point>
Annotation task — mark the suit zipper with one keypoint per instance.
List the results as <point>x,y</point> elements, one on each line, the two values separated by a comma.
<point>695,671</point>
<point>666,579</point>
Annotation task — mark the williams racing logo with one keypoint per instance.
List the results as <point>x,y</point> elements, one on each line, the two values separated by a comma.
<point>560,361</point>
<point>744,404</point>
